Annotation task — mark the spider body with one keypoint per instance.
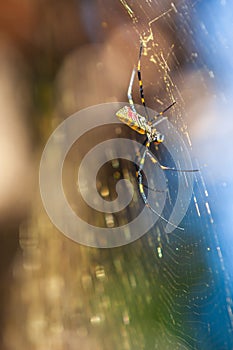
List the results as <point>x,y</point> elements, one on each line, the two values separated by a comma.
<point>139,123</point>
<point>143,125</point>
<point>134,120</point>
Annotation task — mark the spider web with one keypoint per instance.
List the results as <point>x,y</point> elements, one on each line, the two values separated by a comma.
<point>191,306</point>
<point>163,291</point>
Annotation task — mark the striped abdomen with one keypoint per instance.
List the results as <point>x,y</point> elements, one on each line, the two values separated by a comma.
<point>134,120</point>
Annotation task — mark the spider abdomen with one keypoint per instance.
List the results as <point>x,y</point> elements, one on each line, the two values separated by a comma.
<point>134,120</point>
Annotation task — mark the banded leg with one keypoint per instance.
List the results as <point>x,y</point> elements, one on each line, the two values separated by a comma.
<point>139,156</point>
<point>166,109</point>
<point>140,178</point>
<point>130,88</point>
<point>156,122</point>
<point>141,185</point>
<point>138,153</point>
<point>163,167</point>
<point>140,81</point>
<point>140,169</point>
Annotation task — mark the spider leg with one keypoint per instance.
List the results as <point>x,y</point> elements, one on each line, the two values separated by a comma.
<point>129,94</point>
<point>140,178</point>
<point>158,121</point>
<point>154,161</point>
<point>138,153</point>
<point>159,114</point>
<point>146,143</point>
<point>166,109</point>
<point>179,170</point>
<point>142,186</point>
<point>141,89</point>
<point>140,81</point>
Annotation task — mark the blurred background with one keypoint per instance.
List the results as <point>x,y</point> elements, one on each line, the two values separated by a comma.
<point>160,292</point>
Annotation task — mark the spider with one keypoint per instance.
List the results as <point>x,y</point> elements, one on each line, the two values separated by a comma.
<point>143,125</point>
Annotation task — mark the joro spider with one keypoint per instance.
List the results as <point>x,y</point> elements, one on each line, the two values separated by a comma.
<point>143,125</point>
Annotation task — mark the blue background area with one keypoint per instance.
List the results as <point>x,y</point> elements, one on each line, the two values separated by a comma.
<point>213,28</point>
